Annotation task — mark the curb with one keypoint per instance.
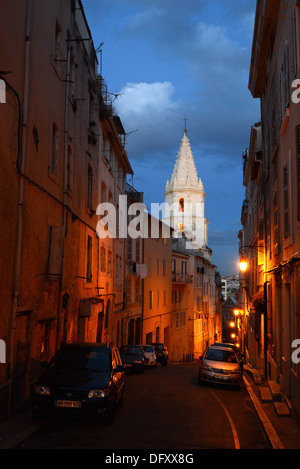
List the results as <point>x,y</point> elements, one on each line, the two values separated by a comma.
<point>269,429</point>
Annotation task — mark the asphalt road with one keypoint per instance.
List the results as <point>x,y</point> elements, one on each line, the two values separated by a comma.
<point>164,408</point>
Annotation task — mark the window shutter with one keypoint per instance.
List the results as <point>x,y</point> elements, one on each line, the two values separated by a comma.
<point>285,78</point>
<point>298,169</point>
<point>286,227</point>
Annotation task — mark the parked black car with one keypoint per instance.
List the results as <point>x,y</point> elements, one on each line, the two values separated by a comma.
<point>162,354</point>
<point>133,358</point>
<point>81,380</point>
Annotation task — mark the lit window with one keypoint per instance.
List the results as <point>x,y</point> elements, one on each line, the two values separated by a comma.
<point>180,227</point>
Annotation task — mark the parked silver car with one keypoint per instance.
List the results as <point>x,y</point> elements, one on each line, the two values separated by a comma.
<point>150,355</point>
<point>220,365</point>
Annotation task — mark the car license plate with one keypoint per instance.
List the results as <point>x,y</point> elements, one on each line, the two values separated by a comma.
<point>76,404</point>
<point>221,377</point>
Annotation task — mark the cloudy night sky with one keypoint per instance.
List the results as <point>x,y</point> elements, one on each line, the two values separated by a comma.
<point>167,59</point>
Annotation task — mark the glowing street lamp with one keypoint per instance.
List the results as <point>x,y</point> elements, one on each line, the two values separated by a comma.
<point>243,264</point>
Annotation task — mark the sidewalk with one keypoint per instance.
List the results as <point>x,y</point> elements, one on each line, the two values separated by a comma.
<point>282,431</point>
<point>15,430</point>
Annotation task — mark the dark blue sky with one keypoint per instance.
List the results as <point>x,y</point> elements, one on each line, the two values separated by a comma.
<point>171,58</point>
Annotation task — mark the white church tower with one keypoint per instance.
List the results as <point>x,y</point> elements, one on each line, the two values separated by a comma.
<point>185,199</point>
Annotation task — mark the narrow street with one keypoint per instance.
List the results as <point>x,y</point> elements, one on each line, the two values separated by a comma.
<point>164,408</point>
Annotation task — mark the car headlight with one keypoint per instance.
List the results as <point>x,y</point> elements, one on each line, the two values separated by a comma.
<point>98,393</point>
<point>42,390</point>
<point>205,367</point>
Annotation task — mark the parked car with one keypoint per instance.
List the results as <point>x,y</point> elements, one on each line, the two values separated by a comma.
<point>219,365</point>
<point>133,358</point>
<point>162,354</point>
<point>81,380</point>
<point>150,355</point>
<point>236,349</point>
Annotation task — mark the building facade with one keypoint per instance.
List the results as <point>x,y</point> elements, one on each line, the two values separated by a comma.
<point>270,238</point>
<point>61,156</point>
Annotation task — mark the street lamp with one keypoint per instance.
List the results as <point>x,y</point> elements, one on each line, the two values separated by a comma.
<point>243,264</point>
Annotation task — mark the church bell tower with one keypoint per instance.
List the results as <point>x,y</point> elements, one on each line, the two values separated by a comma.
<point>185,199</point>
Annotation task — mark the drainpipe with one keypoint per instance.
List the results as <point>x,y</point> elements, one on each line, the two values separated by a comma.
<point>265,251</point>
<point>64,211</point>
<point>23,112</point>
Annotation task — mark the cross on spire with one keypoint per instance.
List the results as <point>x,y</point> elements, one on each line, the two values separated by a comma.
<point>185,119</point>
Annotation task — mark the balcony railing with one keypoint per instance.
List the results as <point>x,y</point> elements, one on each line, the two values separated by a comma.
<point>181,278</point>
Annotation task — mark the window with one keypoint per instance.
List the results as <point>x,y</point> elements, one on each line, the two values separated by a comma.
<point>150,299</point>
<point>295,42</point>
<point>286,221</point>
<point>180,227</point>
<point>58,47</point>
<point>137,290</point>
<point>182,319</point>
<point>109,262</point>
<point>69,168</point>
<point>45,338</point>
<point>54,150</point>
<point>164,267</point>
<point>107,315</point>
<point>181,204</point>
<point>103,192</point>
<point>129,249</point>
<point>90,188</point>
<point>285,78</point>
<point>103,259</point>
<point>298,169</point>
<point>275,220</point>
<point>54,250</point>
<point>137,250</point>
<point>128,289</point>
<point>89,259</point>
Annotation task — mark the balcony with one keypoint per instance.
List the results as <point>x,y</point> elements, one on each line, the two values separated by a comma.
<point>181,278</point>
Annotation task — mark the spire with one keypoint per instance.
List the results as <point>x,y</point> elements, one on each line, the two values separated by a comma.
<point>185,172</point>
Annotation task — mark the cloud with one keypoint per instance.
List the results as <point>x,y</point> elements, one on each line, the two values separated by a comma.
<point>151,109</point>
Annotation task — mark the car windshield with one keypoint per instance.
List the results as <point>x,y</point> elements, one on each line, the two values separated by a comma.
<point>82,358</point>
<point>148,348</point>
<point>216,355</point>
<point>160,348</point>
<point>131,350</point>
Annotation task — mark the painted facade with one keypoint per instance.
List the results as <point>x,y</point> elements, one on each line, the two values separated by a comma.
<point>270,238</point>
